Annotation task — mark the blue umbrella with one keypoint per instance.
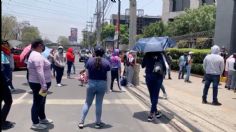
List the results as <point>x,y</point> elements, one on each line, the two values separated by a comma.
<point>46,52</point>
<point>154,44</point>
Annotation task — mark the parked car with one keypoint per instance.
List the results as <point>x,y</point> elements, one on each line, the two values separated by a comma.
<point>16,55</point>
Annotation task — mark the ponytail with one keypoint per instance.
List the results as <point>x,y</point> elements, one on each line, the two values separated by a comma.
<point>98,62</point>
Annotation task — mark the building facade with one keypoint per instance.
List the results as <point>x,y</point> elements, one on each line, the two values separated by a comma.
<point>142,21</point>
<point>174,8</point>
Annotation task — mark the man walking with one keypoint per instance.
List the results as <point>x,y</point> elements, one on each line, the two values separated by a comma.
<point>189,61</point>
<point>213,65</point>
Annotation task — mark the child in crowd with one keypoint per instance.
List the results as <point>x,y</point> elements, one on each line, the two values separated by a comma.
<point>83,77</point>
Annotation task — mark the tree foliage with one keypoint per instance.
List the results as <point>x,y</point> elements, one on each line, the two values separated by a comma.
<point>63,40</point>
<point>194,20</point>
<point>29,34</point>
<point>154,29</point>
<point>9,24</point>
<point>108,30</point>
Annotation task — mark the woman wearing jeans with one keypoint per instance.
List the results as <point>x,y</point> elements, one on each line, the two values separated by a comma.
<point>98,74</point>
<point>155,64</point>
<point>39,81</point>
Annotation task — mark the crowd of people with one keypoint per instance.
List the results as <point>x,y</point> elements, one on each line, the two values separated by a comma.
<point>101,70</point>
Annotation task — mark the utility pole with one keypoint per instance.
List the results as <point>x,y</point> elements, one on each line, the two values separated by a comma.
<point>132,23</point>
<point>117,34</point>
<point>98,22</point>
<point>90,25</point>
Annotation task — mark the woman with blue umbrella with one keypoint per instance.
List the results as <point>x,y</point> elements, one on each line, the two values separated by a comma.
<point>156,65</point>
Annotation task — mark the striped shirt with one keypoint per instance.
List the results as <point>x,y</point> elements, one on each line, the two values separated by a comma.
<point>39,69</point>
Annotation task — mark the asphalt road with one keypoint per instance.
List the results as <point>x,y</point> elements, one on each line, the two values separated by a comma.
<point>121,111</point>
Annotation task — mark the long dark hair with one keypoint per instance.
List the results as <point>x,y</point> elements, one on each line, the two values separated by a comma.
<point>98,62</point>
<point>99,52</point>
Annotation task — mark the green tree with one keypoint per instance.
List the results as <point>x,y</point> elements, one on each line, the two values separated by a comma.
<point>29,34</point>
<point>9,24</point>
<point>108,30</point>
<point>194,20</point>
<point>63,40</point>
<point>154,29</point>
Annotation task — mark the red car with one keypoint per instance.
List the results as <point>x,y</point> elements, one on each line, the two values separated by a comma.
<point>16,55</point>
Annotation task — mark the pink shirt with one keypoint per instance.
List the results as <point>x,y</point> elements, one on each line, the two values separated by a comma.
<point>39,69</point>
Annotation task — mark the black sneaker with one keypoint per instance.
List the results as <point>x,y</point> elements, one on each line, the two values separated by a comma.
<point>216,103</point>
<point>7,125</point>
<point>81,125</point>
<point>204,101</point>
<point>99,125</point>
<point>150,118</point>
<point>158,114</point>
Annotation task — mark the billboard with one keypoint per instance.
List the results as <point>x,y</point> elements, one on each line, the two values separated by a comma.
<point>73,34</point>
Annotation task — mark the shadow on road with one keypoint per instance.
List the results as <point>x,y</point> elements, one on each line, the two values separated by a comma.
<point>49,126</point>
<point>19,91</point>
<point>92,125</point>
<point>143,115</point>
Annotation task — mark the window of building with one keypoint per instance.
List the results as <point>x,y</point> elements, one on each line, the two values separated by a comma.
<point>174,6</point>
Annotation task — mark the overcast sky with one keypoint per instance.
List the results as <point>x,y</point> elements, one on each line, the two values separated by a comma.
<point>55,17</point>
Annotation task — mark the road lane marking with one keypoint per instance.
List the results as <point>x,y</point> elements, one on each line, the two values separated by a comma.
<point>79,101</point>
<point>20,99</point>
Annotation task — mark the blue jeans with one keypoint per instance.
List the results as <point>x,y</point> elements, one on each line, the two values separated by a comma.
<point>8,74</point>
<point>38,107</point>
<point>154,83</point>
<point>181,71</point>
<point>188,68</point>
<point>95,88</point>
<point>69,65</point>
<point>215,79</point>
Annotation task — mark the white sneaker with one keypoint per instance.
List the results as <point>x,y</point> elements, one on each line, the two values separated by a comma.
<point>59,85</point>
<point>46,121</point>
<point>165,96</point>
<point>38,126</point>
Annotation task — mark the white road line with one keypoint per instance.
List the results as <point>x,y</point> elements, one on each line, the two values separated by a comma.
<point>20,99</point>
<point>78,101</point>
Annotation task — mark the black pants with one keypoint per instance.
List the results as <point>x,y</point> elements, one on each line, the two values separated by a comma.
<point>69,65</point>
<point>38,107</point>
<point>115,75</point>
<point>53,69</point>
<point>59,74</point>
<point>6,97</point>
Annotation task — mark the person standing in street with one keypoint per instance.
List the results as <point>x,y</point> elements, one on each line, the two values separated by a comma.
<point>169,61</point>
<point>130,67</point>
<point>70,57</point>
<point>7,62</point>
<point>60,62</point>
<point>51,59</point>
<point>115,68</point>
<point>231,68</point>
<point>188,65</point>
<point>39,81</point>
<point>7,99</point>
<point>155,64</point>
<point>98,70</point>
<point>213,65</point>
<point>182,63</point>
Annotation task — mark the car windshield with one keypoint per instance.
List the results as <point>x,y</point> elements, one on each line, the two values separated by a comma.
<point>17,51</point>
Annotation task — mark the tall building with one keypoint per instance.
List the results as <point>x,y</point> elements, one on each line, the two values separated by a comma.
<point>173,8</point>
<point>142,21</point>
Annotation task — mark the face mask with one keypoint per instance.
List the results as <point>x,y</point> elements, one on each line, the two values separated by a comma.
<point>60,50</point>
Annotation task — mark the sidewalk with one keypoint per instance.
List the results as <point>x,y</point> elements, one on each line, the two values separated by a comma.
<point>184,105</point>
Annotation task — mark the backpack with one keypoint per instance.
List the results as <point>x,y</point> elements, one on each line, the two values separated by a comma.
<point>158,68</point>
